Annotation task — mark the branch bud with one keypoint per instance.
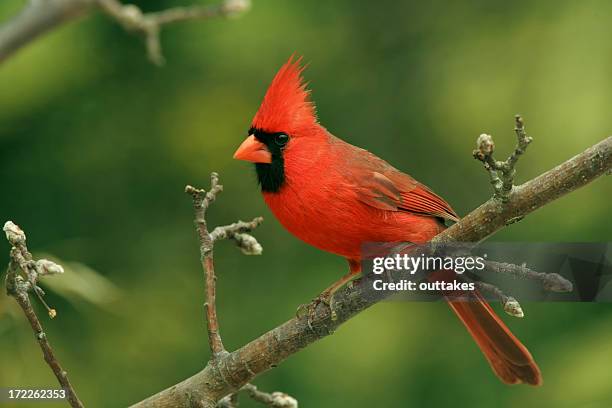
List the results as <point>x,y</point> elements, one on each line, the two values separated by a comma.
<point>485,147</point>
<point>47,267</point>
<point>14,234</point>
<point>233,7</point>
<point>248,244</point>
<point>280,399</point>
<point>513,307</point>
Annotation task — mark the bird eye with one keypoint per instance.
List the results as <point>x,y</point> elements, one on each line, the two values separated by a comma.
<point>281,139</point>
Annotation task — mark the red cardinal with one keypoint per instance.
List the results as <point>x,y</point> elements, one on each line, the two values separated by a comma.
<point>336,196</point>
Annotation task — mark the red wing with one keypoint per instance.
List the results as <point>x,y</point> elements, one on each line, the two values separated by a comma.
<point>422,200</point>
<point>382,186</point>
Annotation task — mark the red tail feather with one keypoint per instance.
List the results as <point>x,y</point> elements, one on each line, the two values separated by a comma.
<point>509,358</point>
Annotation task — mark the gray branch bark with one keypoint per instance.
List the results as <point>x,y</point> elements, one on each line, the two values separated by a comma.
<point>22,276</point>
<point>40,16</point>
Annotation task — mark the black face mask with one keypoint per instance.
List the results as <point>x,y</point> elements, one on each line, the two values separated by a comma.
<point>271,176</point>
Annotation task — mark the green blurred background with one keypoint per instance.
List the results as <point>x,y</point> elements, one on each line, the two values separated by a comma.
<point>97,144</point>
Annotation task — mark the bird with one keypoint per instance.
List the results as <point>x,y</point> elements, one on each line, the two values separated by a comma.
<point>336,197</point>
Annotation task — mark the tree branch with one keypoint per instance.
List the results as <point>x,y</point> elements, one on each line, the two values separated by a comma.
<point>40,16</point>
<point>494,214</point>
<point>237,368</point>
<point>249,245</point>
<point>18,286</point>
<point>150,24</point>
<point>551,282</point>
<point>201,202</point>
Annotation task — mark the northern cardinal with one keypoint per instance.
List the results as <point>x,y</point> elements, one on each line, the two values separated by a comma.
<point>336,196</point>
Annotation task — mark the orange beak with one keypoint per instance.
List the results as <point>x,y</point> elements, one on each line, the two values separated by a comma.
<point>254,151</point>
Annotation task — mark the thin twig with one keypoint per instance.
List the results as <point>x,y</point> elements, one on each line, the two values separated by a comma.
<point>201,202</point>
<point>551,282</point>
<point>272,400</point>
<point>229,231</point>
<point>237,232</point>
<point>229,401</point>
<point>502,185</point>
<point>511,305</point>
<point>132,18</point>
<point>16,286</point>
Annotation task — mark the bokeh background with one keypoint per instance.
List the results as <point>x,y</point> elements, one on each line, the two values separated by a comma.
<point>97,144</point>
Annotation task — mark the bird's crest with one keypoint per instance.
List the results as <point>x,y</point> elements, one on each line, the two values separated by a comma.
<point>286,107</point>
